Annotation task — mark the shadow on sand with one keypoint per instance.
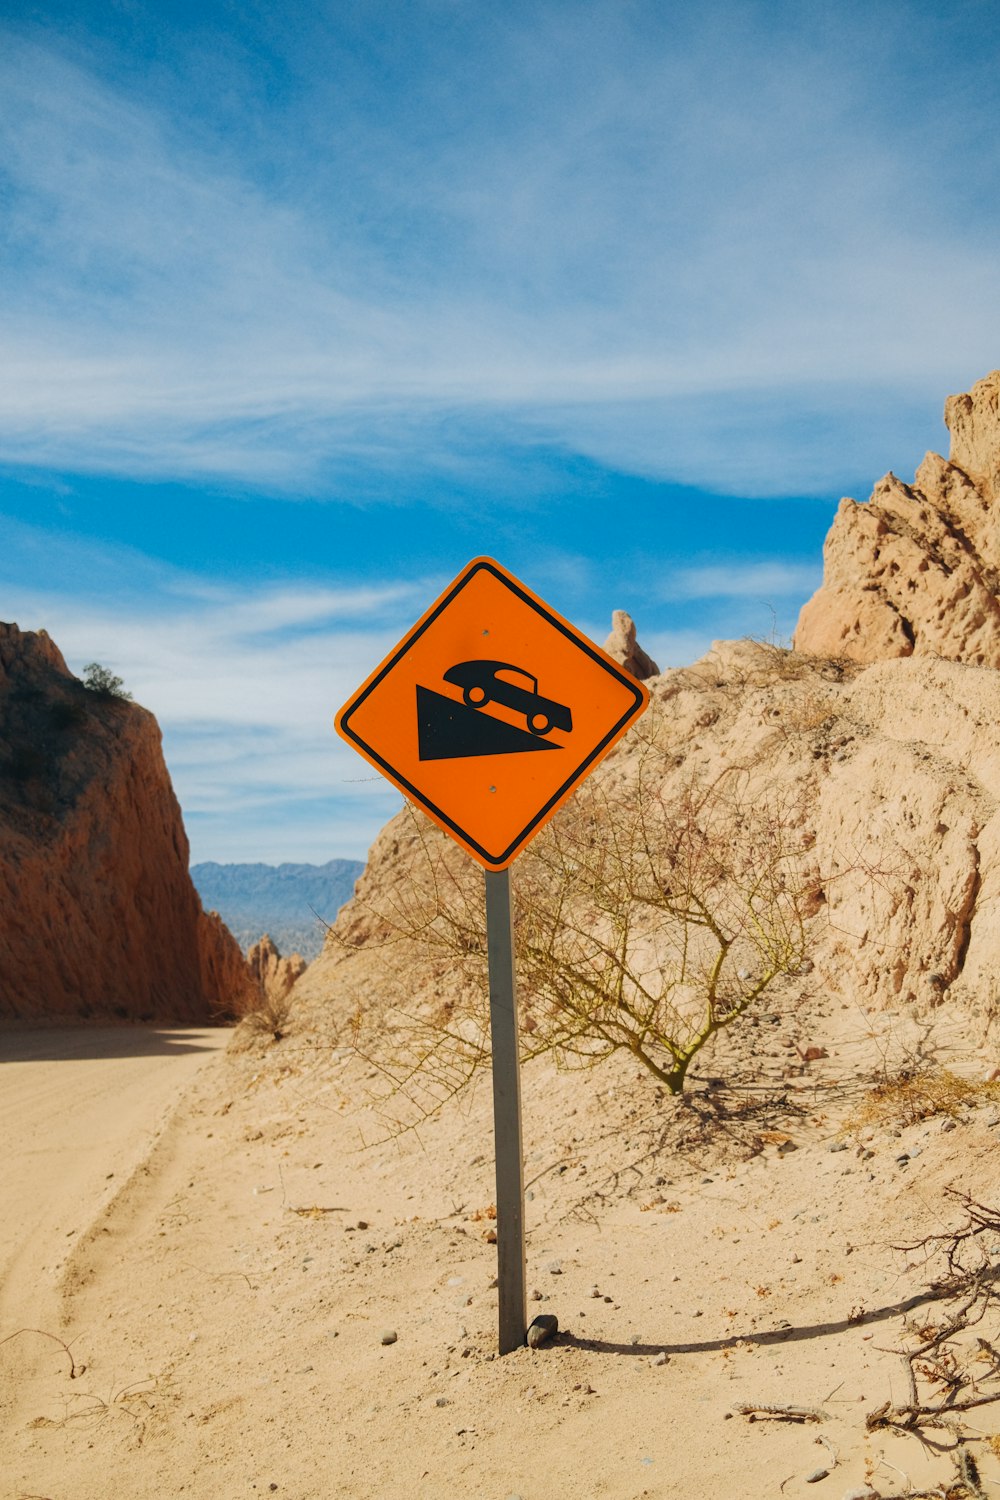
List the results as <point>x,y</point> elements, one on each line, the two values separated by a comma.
<point>768,1336</point>
<point>19,1043</point>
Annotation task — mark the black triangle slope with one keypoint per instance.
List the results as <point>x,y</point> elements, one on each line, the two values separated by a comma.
<point>448,730</point>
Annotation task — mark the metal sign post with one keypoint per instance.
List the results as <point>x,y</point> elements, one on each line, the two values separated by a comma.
<point>488,714</point>
<point>506,1112</point>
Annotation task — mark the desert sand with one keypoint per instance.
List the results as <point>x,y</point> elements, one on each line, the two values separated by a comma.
<point>226,1303</point>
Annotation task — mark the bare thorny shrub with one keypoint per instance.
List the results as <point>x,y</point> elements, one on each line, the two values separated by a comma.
<point>950,1365</point>
<point>266,1015</point>
<point>261,1014</point>
<point>647,919</point>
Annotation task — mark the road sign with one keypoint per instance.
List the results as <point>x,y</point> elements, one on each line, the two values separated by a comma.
<point>490,711</point>
<point>488,714</point>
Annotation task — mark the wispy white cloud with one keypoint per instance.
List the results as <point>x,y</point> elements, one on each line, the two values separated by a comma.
<point>693,253</point>
<point>451,248</point>
<point>776,579</point>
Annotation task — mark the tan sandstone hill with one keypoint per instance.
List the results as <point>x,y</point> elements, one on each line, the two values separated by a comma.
<point>98,916</point>
<point>916,571</point>
<point>623,647</point>
<point>895,770</point>
<point>880,727</point>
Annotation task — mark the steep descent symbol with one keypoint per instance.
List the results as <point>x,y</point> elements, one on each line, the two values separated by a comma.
<point>448,730</point>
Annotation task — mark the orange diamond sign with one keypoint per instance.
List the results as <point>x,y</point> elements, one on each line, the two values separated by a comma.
<point>490,711</point>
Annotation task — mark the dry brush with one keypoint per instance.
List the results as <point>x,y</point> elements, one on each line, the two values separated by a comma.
<point>648,917</point>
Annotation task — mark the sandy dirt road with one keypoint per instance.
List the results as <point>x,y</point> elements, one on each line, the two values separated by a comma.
<point>261,1305</point>
<point>79,1109</point>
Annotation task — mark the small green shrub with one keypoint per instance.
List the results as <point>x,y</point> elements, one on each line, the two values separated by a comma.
<point>100,680</point>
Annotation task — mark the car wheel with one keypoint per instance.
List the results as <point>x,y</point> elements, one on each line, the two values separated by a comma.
<point>476,696</point>
<point>539,723</point>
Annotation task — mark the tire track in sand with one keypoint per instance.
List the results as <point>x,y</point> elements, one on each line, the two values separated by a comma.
<point>80,1111</point>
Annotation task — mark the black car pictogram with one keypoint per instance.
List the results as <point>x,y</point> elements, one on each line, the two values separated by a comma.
<point>483,682</point>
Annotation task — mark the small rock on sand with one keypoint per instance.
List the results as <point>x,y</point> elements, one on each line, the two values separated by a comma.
<point>542,1328</point>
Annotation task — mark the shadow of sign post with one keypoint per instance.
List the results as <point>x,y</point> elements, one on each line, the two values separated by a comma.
<point>459,736</point>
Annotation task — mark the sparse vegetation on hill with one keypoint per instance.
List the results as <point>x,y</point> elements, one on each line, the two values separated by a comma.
<point>914,1095</point>
<point>820,792</point>
<point>646,921</point>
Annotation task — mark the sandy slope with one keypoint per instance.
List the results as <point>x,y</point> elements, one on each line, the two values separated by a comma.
<point>229,1302</point>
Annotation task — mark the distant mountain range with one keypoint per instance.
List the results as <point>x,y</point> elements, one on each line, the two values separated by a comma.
<point>291,902</point>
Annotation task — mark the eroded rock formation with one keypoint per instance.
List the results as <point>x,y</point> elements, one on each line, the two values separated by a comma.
<point>99,919</point>
<point>623,646</point>
<point>274,975</point>
<point>916,571</point>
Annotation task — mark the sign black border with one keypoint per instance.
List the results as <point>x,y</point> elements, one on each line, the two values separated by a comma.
<point>498,860</point>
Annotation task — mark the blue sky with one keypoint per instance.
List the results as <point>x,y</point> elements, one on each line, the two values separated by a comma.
<point>303,306</point>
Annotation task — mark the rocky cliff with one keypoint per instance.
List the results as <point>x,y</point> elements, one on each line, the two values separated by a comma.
<point>99,919</point>
<point>916,570</point>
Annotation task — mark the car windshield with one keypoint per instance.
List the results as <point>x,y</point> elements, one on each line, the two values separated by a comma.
<point>506,673</point>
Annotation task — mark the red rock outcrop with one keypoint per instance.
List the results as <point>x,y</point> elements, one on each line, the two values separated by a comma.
<point>916,571</point>
<point>99,919</point>
<point>274,975</point>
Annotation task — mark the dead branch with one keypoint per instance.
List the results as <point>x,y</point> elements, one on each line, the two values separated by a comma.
<point>834,1455</point>
<point>780,1412</point>
<point>941,1380</point>
<point>954,1243</point>
<point>74,1368</point>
